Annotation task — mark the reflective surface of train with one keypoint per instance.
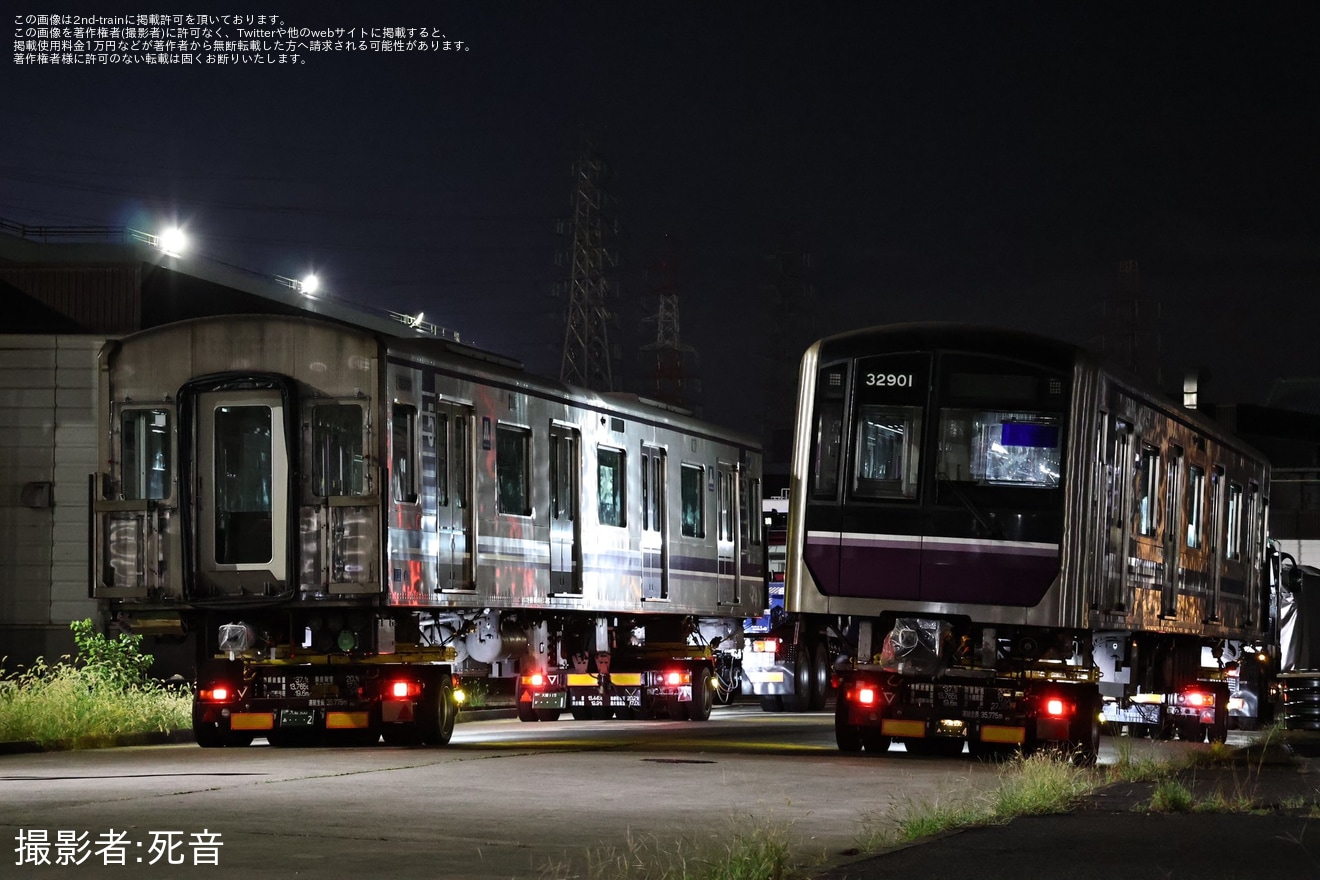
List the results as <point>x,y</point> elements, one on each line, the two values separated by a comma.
<point>1004,539</point>
<point>346,519</point>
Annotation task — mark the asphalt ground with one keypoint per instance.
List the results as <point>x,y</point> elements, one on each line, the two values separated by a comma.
<point>1258,817</point>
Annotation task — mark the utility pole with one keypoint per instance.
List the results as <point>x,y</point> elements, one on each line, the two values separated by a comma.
<point>587,355</point>
<point>667,363</point>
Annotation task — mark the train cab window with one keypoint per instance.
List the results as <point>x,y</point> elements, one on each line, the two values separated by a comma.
<point>336,449</point>
<point>513,461</point>
<point>888,440</point>
<point>1195,505</point>
<point>1148,482</point>
<point>693,485</point>
<point>999,448</point>
<point>828,434</point>
<point>610,472</point>
<point>403,454</point>
<point>1233,526</point>
<point>147,465</point>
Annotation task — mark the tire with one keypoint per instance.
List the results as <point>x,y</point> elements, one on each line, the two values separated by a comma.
<point>1218,731</point>
<point>820,678</point>
<point>546,714</point>
<point>699,708</point>
<point>527,713</point>
<point>581,713</point>
<point>847,736</point>
<point>803,679</point>
<point>772,703</point>
<point>436,726</point>
<point>875,742</point>
<point>208,734</point>
<point>1085,734</point>
<point>1190,729</point>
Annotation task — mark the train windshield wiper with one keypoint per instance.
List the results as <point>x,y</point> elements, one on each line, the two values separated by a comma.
<point>985,520</point>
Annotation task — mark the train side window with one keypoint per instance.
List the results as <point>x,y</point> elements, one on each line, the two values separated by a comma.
<point>888,440</point>
<point>403,453</point>
<point>147,464</point>
<point>693,492</point>
<point>1195,504</point>
<point>461,461</point>
<point>513,459</point>
<point>1173,492</point>
<point>725,519</point>
<point>1233,528</point>
<point>828,449</point>
<point>749,491</point>
<point>1148,481</point>
<point>610,473</point>
<point>336,449</point>
<point>1216,529</point>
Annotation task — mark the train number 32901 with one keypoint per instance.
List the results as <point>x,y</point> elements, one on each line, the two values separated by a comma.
<point>890,380</point>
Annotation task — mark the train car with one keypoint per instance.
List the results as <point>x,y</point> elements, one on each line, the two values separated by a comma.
<point>347,520</point>
<point>998,541</point>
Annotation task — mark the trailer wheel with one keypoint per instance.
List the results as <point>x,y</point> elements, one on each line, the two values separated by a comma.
<point>803,679</point>
<point>439,712</point>
<point>1085,734</point>
<point>526,712</point>
<point>820,677</point>
<point>699,708</point>
<point>208,734</point>
<point>875,742</point>
<point>1219,729</point>
<point>546,714</point>
<point>1190,729</point>
<point>772,703</point>
<point>847,736</point>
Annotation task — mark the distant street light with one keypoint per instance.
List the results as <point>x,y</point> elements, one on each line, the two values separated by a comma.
<point>172,241</point>
<point>309,285</point>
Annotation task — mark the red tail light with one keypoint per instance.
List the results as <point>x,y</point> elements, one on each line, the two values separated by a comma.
<point>1198,699</point>
<point>677,678</point>
<point>1056,707</point>
<point>536,680</point>
<point>217,694</point>
<point>403,690</point>
<point>866,696</point>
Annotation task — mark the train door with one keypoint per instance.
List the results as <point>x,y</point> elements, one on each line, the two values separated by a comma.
<point>727,533</point>
<point>1173,533</point>
<point>241,492</point>
<point>565,522</point>
<point>655,524</point>
<point>1118,477</point>
<point>453,474</point>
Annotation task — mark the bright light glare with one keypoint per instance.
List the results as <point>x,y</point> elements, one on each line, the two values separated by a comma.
<point>220,693</point>
<point>172,241</point>
<point>866,696</point>
<point>400,689</point>
<point>310,285</point>
<point>536,679</point>
<point>1054,707</point>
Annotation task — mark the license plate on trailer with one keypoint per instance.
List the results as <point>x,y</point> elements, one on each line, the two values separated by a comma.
<point>297,718</point>
<point>548,701</point>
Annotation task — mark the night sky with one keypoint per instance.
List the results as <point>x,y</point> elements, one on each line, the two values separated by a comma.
<point>982,162</point>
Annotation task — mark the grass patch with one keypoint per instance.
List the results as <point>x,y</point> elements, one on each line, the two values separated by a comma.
<point>103,692</point>
<point>755,853</point>
<point>1037,785</point>
<point>1171,796</point>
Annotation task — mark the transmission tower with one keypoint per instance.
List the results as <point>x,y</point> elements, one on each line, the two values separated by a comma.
<point>588,358</point>
<point>1130,332</point>
<point>666,363</point>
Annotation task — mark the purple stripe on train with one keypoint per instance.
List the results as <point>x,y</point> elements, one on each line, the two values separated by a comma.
<point>948,570</point>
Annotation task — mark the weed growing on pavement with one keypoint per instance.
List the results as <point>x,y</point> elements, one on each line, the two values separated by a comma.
<point>1036,785</point>
<point>1171,796</point>
<point>756,852</point>
<point>102,692</point>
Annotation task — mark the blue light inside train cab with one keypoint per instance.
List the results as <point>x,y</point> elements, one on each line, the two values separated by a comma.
<point>1029,435</point>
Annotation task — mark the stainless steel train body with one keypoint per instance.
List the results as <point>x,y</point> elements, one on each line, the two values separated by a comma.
<point>1041,507</point>
<point>324,490</point>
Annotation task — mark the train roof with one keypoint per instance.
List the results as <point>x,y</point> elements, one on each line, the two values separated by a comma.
<point>949,335</point>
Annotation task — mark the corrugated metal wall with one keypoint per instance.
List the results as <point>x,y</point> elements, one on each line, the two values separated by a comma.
<point>48,396</point>
<point>101,299</point>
